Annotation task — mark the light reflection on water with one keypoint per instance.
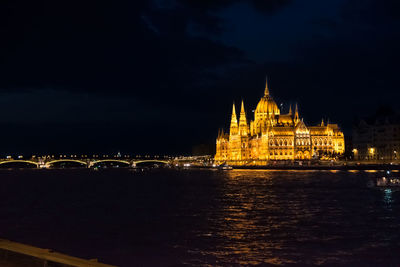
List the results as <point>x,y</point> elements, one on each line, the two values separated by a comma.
<point>388,199</point>
<point>302,217</point>
<point>205,218</point>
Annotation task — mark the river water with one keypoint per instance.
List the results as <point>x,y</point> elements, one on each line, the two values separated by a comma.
<point>204,217</point>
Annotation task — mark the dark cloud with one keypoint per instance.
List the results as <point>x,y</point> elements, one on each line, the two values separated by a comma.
<point>121,71</point>
<point>262,5</point>
<point>96,47</point>
<point>372,11</point>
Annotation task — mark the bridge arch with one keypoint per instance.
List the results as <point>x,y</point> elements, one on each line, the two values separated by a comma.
<point>149,160</point>
<point>66,160</point>
<point>21,161</point>
<point>109,160</point>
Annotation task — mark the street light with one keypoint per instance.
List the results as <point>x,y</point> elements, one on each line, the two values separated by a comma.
<point>372,152</point>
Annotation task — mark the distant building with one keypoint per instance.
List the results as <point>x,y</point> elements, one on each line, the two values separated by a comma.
<point>276,136</point>
<point>203,149</point>
<point>377,137</point>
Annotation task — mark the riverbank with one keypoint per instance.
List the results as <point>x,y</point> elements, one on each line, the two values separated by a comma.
<point>323,167</point>
<point>343,167</point>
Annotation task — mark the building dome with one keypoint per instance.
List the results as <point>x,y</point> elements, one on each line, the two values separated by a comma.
<point>267,106</point>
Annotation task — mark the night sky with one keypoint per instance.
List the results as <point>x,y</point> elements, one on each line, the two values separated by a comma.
<point>158,76</point>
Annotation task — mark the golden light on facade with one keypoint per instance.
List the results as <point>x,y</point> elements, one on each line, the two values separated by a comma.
<point>275,136</point>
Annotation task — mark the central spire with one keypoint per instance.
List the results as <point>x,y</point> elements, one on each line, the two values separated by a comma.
<point>266,92</point>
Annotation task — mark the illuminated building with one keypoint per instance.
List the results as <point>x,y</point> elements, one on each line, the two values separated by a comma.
<point>275,136</point>
<point>377,137</point>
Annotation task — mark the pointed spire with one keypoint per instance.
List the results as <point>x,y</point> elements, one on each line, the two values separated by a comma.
<point>233,114</point>
<point>296,114</point>
<point>243,128</point>
<point>290,109</point>
<point>266,92</point>
<point>234,124</point>
<point>322,122</point>
<point>242,108</point>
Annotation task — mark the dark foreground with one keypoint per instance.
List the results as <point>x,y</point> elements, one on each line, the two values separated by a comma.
<point>198,217</point>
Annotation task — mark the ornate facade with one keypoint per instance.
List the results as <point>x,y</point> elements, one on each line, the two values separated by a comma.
<point>275,136</point>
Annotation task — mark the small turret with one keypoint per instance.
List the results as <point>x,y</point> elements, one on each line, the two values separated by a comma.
<point>296,115</point>
<point>322,122</point>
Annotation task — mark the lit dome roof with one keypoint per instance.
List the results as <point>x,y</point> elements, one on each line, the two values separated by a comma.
<point>267,105</point>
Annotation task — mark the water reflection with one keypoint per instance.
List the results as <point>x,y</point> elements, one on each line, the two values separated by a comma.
<point>205,218</point>
<point>303,217</point>
<point>387,198</point>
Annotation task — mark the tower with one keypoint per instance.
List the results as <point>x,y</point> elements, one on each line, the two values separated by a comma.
<point>234,123</point>
<point>243,128</point>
